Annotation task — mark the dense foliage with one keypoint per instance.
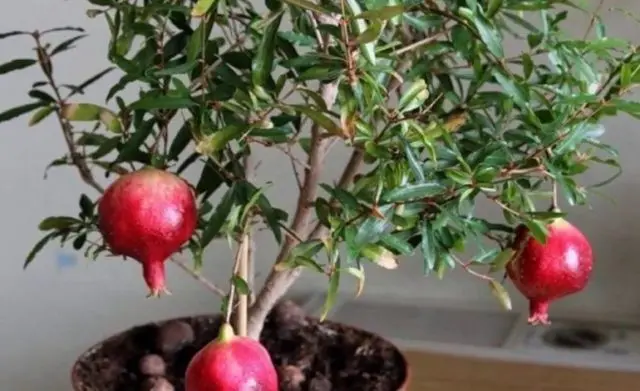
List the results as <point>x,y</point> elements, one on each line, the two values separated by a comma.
<point>436,112</point>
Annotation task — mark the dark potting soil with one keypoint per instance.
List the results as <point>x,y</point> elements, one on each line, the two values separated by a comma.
<point>309,355</point>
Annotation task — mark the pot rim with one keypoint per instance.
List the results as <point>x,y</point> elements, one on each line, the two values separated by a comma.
<point>76,365</point>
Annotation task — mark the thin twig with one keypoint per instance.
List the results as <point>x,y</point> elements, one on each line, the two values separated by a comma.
<point>206,283</point>
<point>243,299</point>
<point>232,289</point>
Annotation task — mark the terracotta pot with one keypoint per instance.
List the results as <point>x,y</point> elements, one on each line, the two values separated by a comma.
<point>113,364</point>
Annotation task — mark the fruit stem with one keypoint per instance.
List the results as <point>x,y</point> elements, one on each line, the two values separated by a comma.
<point>226,333</point>
<point>243,298</point>
<point>241,260</point>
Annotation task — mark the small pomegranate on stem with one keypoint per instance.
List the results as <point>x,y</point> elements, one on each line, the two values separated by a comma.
<point>231,363</point>
<point>544,272</point>
<point>148,215</point>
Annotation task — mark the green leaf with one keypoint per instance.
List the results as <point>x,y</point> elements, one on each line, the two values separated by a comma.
<point>380,256</point>
<point>413,192</point>
<point>358,273</point>
<point>383,13</point>
<point>150,102</point>
<point>498,291</point>
<point>17,111</point>
<point>81,112</point>
<point>242,287</point>
<point>40,115</point>
<point>57,223</point>
<point>488,33</point>
<point>370,230</point>
<point>66,45</point>
<point>16,64</point>
<point>38,247</point>
<point>414,97</point>
<point>538,229</point>
<point>219,216</point>
<point>221,138</point>
<point>360,26</point>
<point>501,260</point>
<point>371,34</point>
<point>13,34</point>
<point>79,241</point>
<point>510,87</point>
<point>320,119</point>
<point>202,7</point>
<point>308,5</point>
<point>262,64</point>
<point>86,206</point>
<point>414,164</point>
<point>493,7</point>
<point>428,246</point>
<point>332,291</point>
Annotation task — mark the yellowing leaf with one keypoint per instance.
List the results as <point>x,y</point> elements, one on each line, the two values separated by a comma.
<point>83,112</point>
<point>501,294</point>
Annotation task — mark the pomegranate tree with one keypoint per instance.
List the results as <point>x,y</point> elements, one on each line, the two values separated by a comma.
<point>222,119</point>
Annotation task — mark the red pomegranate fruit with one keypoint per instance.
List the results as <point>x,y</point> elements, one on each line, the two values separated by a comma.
<point>547,272</point>
<point>231,363</point>
<point>148,215</point>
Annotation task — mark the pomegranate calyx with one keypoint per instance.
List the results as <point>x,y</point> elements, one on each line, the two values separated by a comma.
<point>226,333</point>
<point>538,313</point>
<point>157,292</point>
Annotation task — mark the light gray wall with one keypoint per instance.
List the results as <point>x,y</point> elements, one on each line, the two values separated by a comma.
<point>54,311</point>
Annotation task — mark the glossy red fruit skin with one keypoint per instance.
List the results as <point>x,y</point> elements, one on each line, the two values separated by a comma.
<point>148,215</point>
<point>546,272</point>
<point>240,364</point>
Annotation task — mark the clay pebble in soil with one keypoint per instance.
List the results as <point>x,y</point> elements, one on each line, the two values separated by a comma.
<point>309,355</point>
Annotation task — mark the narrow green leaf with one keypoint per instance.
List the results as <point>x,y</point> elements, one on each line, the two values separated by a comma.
<point>320,119</point>
<point>358,273</point>
<point>202,7</point>
<point>488,33</point>
<point>308,5</point>
<point>150,102</point>
<point>86,206</point>
<point>219,216</point>
<point>40,115</point>
<point>510,87</point>
<point>501,260</point>
<point>501,294</point>
<point>427,246</point>
<point>493,7</point>
<point>414,97</point>
<point>332,291</point>
<point>13,34</point>
<point>370,230</point>
<point>17,111</point>
<point>38,246</point>
<point>412,192</point>
<point>371,34</point>
<point>16,64</point>
<point>89,112</point>
<point>57,223</point>
<point>221,138</point>
<point>66,45</point>
<point>242,287</point>
<point>383,13</point>
<point>262,64</point>
<point>79,241</point>
<point>360,26</point>
<point>538,229</point>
